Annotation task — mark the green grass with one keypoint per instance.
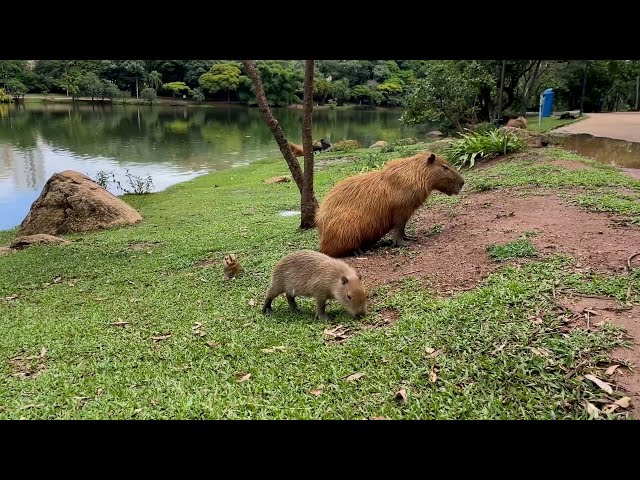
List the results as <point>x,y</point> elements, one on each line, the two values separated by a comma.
<point>548,123</point>
<point>520,248</point>
<point>489,366</point>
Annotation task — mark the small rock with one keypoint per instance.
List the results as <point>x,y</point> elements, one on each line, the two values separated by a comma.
<point>434,134</point>
<point>380,144</point>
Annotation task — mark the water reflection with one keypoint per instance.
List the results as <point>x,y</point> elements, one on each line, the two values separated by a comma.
<point>605,150</point>
<point>171,144</point>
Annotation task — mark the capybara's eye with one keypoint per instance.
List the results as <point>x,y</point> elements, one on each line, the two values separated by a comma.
<point>348,296</point>
<point>445,167</point>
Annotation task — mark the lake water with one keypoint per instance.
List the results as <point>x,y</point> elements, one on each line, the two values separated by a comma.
<point>172,144</point>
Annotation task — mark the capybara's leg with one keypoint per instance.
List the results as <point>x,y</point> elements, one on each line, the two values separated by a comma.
<point>273,292</point>
<point>292,303</point>
<point>399,237</point>
<point>321,303</point>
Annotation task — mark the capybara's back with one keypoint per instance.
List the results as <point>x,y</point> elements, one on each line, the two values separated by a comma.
<point>360,210</point>
<point>519,122</point>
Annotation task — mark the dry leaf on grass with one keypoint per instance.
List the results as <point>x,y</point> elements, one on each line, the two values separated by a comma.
<point>252,302</point>
<point>161,337</point>
<point>623,402</point>
<point>377,418</point>
<point>213,344</point>
<point>603,385</point>
<point>279,348</point>
<point>57,280</point>
<point>316,392</point>
<point>100,299</point>
<point>11,297</point>
<point>429,350</point>
<point>610,408</point>
<point>354,376</point>
<point>433,376</point>
<point>120,323</point>
<point>611,370</point>
<point>401,396</point>
<point>592,410</point>
<point>337,334</point>
<point>243,378</point>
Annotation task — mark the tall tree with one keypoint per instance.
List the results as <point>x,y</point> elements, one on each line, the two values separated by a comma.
<point>308,203</point>
<point>274,126</point>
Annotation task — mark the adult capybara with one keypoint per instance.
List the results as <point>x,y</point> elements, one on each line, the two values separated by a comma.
<point>519,122</point>
<point>360,210</point>
<point>312,274</point>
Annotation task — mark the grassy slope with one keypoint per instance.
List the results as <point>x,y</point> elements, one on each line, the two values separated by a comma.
<point>96,370</point>
<point>548,123</point>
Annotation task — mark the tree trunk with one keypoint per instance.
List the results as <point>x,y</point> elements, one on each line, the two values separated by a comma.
<point>228,95</point>
<point>584,87</point>
<point>274,126</point>
<point>137,88</point>
<point>308,203</point>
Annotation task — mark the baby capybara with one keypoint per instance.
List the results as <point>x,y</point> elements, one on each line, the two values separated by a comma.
<point>312,274</point>
<point>360,210</point>
<point>297,150</point>
<point>519,122</point>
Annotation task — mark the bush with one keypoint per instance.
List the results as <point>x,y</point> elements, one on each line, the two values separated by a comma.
<point>484,127</point>
<point>405,141</point>
<point>5,97</point>
<point>149,95</point>
<point>346,145</point>
<point>139,185</point>
<point>477,145</point>
<point>197,95</point>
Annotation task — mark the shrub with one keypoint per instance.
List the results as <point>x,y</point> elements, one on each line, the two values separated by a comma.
<point>346,145</point>
<point>479,145</point>
<point>149,95</point>
<point>484,127</point>
<point>197,95</point>
<point>5,97</point>
<point>405,141</point>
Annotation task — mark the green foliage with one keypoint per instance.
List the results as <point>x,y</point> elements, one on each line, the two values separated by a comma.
<point>367,94</point>
<point>90,86</point>
<point>520,248</point>
<point>341,91</point>
<point>154,80</point>
<point>136,185</point>
<point>484,127</point>
<point>197,95</point>
<point>149,95</point>
<point>176,88</point>
<point>280,80</point>
<point>5,97</point>
<point>16,88</point>
<point>405,141</point>
<point>479,145</point>
<point>222,77</point>
<point>345,146</point>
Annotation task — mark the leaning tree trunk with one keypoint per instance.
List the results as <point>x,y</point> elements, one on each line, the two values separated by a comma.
<point>308,202</point>
<point>274,126</point>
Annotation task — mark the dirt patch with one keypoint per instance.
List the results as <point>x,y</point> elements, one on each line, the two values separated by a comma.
<point>207,262</point>
<point>456,258</point>
<point>570,165</point>
<point>28,366</point>
<point>143,245</point>
<point>626,316</point>
<point>632,172</point>
<point>384,318</point>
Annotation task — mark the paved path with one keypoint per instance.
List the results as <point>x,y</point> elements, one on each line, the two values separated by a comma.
<point>623,126</point>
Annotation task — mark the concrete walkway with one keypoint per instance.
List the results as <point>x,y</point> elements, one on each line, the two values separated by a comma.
<point>623,126</point>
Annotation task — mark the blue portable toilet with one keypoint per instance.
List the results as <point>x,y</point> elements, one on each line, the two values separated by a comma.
<point>547,102</point>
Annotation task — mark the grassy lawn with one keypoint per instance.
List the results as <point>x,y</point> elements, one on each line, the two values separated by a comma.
<point>154,333</point>
<point>548,123</point>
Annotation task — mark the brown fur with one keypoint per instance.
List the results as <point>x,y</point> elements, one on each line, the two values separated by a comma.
<point>312,274</point>
<point>360,210</point>
<point>519,122</point>
<point>297,150</point>
<point>232,267</point>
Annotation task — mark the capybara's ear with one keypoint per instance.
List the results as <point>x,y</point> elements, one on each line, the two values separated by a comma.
<point>431,159</point>
<point>359,276</point>
<point>344,279</point>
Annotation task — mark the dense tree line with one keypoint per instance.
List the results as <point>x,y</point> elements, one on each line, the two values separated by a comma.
<point>452,92</point>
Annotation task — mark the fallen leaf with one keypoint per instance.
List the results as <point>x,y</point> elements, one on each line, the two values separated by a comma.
<point>243,378</point>
<point>57,280</point>
<point>196,326</point>
<point>433,376</point>
<point>435,354</point>
<point>100,299</point>
<point>338,333</point>
<point>43,352</point>
<point>611,369</point>
<point>99,391</point>
<point>274,349</point>
<point>592,410</point>
<point>589,311</point>
<point>536,320</point>
<point>354,376</point>
<point>603,385</point>
<point>430,350</point>
<point>252,302</point>
<point>377,418</point>
<point>623,402</point>
<point>135,300</point>
<point>11,297</point>
<point>213,344</point>
<point>317,392</point>
<point>610,408</point>
<point>401,396</point>
<point>120,324</point>
<point>161,337</point>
